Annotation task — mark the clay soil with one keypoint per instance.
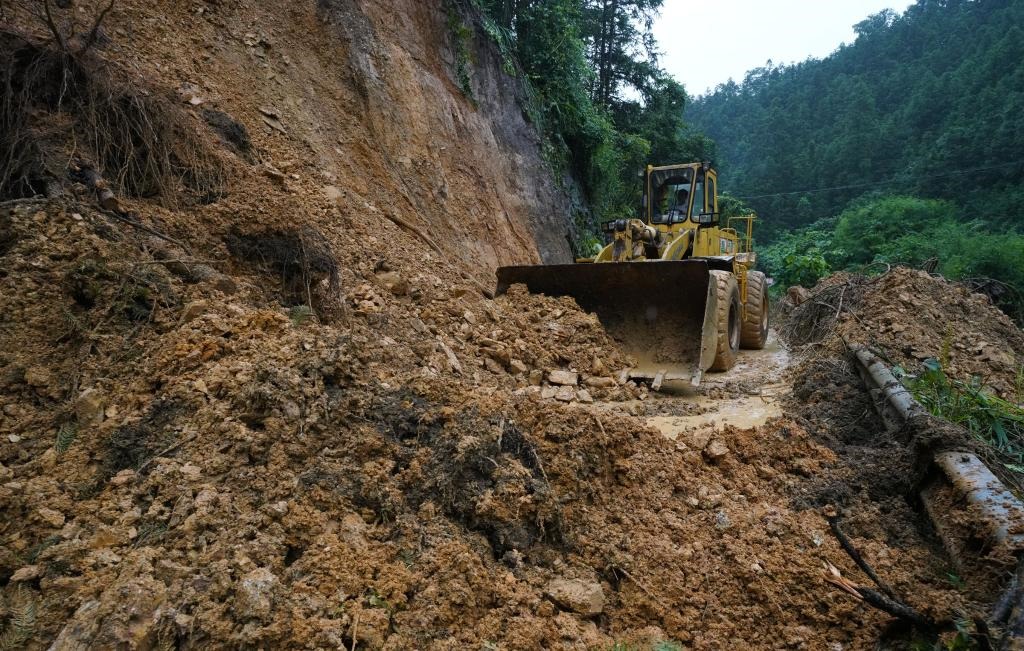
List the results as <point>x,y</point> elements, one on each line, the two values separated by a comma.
<point>291,417</point>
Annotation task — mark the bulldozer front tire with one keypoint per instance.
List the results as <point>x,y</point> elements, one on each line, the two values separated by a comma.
<point>755,313</point>
<point>727,320</point>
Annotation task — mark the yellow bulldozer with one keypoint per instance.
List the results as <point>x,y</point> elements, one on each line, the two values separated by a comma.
<point>675,288</point>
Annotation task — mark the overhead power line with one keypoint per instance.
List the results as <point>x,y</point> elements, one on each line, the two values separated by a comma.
<point>889,182</point>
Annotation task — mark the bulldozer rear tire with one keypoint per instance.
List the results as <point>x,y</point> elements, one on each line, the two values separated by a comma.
<point>755,312</point>
<point>727,320</point>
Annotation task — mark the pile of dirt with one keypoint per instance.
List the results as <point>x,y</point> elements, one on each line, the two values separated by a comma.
<point>909,316</point>
<point>906,316</point>
<point>203,465</point>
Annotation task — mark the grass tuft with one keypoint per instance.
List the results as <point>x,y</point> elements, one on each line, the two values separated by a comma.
<point>994,421</point>
<point>66,436</point>
<point>21,624</point>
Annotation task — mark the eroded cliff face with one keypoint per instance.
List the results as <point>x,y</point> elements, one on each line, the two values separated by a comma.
<point>357,102</point>
<point>469,168</point>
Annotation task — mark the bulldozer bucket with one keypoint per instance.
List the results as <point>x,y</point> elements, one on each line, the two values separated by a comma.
<point>662,313</point>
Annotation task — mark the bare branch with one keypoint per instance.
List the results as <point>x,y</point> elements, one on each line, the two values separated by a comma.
<point>94,33</point>
<point>53,27</point>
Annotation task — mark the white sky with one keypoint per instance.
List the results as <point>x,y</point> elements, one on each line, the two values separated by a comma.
<point>705,42</point>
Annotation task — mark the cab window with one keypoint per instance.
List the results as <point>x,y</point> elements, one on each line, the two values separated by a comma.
<point>698,198</point>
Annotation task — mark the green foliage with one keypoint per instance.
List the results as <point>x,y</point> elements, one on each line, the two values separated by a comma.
<point>911,104</point>
<point>461,35</point>
<point>799,258</point>
<point>996,422</point>
<point>21,621</point>
<point>300,314</point>
<point>66,435</point>
<point>892,229</point>
<point>902,230</point>
<point>595,92</point>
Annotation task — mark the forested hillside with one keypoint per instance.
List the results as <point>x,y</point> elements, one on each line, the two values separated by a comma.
<point>923,106</point>
<point>601,100</point>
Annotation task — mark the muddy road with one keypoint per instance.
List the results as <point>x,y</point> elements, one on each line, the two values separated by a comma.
<point>745,397</point>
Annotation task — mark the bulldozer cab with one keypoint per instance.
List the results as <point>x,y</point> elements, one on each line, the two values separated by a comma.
<point>675,196</point>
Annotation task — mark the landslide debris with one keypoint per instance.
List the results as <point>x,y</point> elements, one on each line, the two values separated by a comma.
<point>909,316</point>
<point>239,476</point>
<point>286,415</point>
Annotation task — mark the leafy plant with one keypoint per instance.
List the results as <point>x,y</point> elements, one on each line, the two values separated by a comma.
<point>461,35</point>
<point>66,435</point>
<point>300,314</point>
<point>21,623</point>
<point>997,422</point>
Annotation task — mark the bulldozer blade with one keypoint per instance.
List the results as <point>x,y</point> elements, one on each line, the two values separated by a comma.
<point>662,313</point>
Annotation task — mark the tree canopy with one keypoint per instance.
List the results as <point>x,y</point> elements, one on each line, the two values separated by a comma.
<point>604,105</point>
<point>925,103</point>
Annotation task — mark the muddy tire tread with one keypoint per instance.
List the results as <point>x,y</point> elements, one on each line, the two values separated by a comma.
<point>752,335</point>
<point>726,291</point>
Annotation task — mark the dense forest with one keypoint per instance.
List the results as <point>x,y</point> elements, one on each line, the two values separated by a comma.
<point>904,146</point>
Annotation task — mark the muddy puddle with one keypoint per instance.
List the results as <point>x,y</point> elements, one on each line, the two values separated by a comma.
<point>747,396</point>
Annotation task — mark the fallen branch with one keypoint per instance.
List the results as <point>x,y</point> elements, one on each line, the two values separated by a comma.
<point>893,607</point>
<point>833,522</point>
<point>167,450</point>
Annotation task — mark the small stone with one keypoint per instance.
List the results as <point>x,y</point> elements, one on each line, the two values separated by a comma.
<point>565,378</point>
<point>191,472</point>
<point>536,377</point>
<point>699,439</point>
<point>548,392</point>
<point>89,407</point>
<point>517,366</point>
<point>693,501</point>
<point>599,382</point>
<point>716,450</point>
<point>584,396</point>
<point>722,520</point>
<point>583,597</point>
<point>394,283</point>
<point>225,285</point>
<point>756,568</point>
<point>469,317</point>
<point>50,517</point>
<point>193,311</point>
<point>13,438</point>
<point>493,366</point>
<point>798,295</point>
<point>254,594</point>
<point>27,573</point>
<point>37,376</point>
<point>565,394</point>
<point>123,477</point>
